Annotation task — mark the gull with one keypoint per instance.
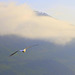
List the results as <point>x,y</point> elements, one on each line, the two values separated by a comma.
<point>24,50</point>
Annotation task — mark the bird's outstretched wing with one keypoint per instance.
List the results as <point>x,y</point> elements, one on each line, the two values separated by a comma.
<point>31,46</point>
<point>13,53</point>
<point>23,50</point>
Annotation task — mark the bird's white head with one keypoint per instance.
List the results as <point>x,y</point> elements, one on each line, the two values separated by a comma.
<point>24,50</point>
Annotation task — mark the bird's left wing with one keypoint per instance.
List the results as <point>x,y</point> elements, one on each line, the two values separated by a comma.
<point>31,46</point>
<point>14,53</point>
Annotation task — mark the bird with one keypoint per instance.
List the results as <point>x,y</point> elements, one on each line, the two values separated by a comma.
<point>23,50</point>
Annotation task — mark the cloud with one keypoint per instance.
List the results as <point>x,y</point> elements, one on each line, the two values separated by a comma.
<point>65,13</point>
<point>21,20</point>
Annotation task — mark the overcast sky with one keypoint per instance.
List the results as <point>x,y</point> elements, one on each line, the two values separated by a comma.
<point>60,9</point>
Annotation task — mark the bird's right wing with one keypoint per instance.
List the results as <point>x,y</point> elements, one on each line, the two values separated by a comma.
<point>13,53</point>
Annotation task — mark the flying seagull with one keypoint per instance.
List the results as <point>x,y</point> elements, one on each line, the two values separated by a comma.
<point>24,50</point>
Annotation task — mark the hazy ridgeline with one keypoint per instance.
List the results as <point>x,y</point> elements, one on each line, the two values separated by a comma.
<point>44,59</point>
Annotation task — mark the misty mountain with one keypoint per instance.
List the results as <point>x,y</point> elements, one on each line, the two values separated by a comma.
<point>47,58</point>
<point>20,28</point>
<point>41,14</point>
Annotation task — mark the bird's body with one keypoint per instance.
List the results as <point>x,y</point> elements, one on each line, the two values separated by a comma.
<point>24,50</point>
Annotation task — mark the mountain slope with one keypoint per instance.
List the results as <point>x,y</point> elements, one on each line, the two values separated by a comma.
<point>41,60</point>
